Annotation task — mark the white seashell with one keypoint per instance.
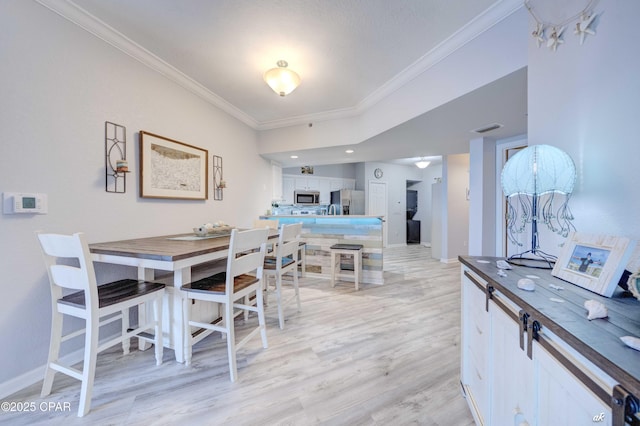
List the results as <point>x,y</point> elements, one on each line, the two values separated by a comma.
<point>526,284</point>
<point>632,342</point>
<point>596,309</point>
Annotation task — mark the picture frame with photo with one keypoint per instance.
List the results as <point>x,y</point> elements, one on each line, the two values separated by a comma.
<point>172,169</point>
<point>594,262</point>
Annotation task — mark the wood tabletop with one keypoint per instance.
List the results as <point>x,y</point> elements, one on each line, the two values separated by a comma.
<point>165,248</point>
<point>598,340</point>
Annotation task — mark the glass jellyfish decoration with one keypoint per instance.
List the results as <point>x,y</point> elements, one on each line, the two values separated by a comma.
<point>538,182</point>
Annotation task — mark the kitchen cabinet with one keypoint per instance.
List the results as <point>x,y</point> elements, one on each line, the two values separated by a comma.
<point>348,184</point>
<point>307,183</point>
<point>288,186</point>
<point>532,358</point>
<point>276,182</point>
<point>336,184</point>
<point>324,186</point>
<point>316,183</point>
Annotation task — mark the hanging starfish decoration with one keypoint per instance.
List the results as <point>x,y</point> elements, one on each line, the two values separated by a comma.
<point>582,27</point>
<point>555,39</point>
<point>538,34</point>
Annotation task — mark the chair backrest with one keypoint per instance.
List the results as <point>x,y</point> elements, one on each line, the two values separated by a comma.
<point>288,242</point>
<point>69,265</point>
<point>266,223</point>
<point>246,254</point>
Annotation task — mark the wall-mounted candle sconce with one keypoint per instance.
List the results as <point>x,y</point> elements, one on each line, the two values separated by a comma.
<point>115,159</point>
<point>218,182</point>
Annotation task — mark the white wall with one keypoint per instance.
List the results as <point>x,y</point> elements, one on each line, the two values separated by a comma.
<point>455,220</point>
<point>482,197</point>
<point>62,84</point>
<point>585,99</point>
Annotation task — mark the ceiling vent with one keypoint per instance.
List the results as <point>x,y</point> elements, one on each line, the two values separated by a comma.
<point>487,128</point>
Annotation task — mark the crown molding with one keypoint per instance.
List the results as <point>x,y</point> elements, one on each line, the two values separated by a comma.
<point>478,25</point>
<point>70,11</point>
<point>335,114</point>
<point>481,23</point>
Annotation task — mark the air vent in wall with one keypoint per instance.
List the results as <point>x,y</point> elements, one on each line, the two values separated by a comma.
<point>487,128</point>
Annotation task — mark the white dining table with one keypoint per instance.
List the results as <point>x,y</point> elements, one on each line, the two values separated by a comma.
<point>174,253</point>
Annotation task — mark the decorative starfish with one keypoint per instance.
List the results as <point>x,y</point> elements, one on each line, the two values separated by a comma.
<point>538,34</point>
<point>582,27</point>
<point>555,39</point>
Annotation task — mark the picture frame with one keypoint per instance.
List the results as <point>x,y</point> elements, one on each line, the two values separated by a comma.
<point>594,262</point>
<point>172,169</point>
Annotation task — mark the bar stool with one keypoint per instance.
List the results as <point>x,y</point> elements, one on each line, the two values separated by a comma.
<point>337,251</point>
<point>302,258</point>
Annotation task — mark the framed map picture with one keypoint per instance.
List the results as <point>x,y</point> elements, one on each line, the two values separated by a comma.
<point>172,169</point>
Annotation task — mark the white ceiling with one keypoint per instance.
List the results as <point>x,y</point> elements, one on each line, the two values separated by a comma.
<point>346,52</point>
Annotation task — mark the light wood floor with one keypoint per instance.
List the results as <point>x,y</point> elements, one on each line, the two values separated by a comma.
<point>385,355</point>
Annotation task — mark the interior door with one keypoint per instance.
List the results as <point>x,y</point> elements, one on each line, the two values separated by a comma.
<point>504,152</point>
<point>377,205</point>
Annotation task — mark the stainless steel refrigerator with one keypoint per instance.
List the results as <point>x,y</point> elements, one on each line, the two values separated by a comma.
<point>347,202</point>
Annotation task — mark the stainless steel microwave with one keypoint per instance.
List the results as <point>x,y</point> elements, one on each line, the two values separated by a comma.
<point>306,197</point>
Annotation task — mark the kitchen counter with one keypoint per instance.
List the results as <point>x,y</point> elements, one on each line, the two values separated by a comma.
<point>320,232</point>
<point>326,216</point>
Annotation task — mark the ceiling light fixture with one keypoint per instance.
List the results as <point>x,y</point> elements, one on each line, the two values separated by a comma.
<point>422,164</point>
<point>282,80</point>
<point>349,151</point>
<point>294,156</point>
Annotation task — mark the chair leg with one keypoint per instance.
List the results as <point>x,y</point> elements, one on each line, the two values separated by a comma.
<point>265,278</point>
<point>261,320</point>
<point>158,342</point>
<point>333,268</point>
<point>302,253</point>
<point>54,352</point>
<point>231,341</point>
<point>89,367</point>
<point>296,287</point>
<point>126,343</point>
<point>279,300</point>
<point>187,339</point>
<point>247,301</point>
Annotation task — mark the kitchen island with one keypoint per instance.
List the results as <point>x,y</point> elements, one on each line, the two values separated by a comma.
<point>321,232</point>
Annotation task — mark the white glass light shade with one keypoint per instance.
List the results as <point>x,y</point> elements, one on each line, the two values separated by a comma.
<point>422,164</point>
<point>538,170</point>
<point>282,80</point>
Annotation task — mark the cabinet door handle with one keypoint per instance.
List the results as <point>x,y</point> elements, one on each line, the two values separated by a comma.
<point>532,333</point>
<point>478,328</point>
<point>523,319</point>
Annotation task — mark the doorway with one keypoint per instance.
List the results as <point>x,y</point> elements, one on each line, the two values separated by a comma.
<point>377,205</point>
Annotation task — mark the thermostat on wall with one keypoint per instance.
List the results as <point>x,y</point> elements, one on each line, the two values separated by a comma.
<point>15,202</point>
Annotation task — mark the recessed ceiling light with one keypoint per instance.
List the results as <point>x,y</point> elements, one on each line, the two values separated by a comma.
<point>294,156</point>
<point>349,151</point>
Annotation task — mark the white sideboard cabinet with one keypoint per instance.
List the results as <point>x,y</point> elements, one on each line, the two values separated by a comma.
<point>533,358</point>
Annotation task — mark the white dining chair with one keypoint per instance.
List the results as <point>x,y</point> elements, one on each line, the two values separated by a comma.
<point>242,277</point>
<point>69,266</point>
<point>284,261</point>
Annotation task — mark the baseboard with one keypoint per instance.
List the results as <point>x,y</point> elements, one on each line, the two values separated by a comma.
<point>37,374</point>
<point>396,245</point>
<point>454,260</point>
<point>426,244</point>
